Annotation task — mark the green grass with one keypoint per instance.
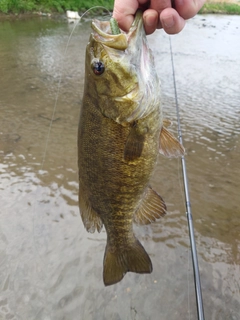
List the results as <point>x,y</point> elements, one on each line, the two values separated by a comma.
<point>227,8</point>
<point>23,6</point>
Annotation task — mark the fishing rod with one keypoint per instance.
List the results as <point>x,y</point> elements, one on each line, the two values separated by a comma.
<point>197,281</point>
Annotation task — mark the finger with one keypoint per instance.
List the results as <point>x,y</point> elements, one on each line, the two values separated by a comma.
<point>171,21</point>
<point>160,5</point>
<point>150,20</point>
<point>188,8</point>
<point>124,14</point>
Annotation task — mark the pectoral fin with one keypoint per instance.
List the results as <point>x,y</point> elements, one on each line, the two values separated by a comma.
<point>169,146</point>
<point>135,143</point>
<point>151,208</point>
<point>90,218</point>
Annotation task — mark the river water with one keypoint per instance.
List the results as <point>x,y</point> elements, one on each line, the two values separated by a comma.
<point>50,267</point>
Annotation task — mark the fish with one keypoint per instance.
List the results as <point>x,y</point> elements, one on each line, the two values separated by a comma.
<point>120,135</point>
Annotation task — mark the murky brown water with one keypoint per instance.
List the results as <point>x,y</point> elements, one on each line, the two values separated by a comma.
<point>50,267</point>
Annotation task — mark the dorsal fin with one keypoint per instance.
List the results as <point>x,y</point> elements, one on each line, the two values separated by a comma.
<point>167,123</point>
<point>169,146</point>
<point>151,208</point>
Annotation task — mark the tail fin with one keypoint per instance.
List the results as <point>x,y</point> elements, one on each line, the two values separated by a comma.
<point>133,258</point>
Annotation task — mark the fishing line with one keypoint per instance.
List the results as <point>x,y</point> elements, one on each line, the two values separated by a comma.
<point>197,281</point>
<point>52,119</point>
<point>60,80</point>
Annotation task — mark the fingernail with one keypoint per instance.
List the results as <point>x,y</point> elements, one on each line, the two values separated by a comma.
<point>168,21</point>
<point>149,20</point>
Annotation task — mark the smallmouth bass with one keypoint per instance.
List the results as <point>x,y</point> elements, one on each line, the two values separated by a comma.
<point>121,132</point>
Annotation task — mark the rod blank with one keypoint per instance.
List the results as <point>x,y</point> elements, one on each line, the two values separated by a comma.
<point>197,281</point>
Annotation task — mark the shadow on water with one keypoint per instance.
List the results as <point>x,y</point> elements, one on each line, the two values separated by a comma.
<point>51,268</point>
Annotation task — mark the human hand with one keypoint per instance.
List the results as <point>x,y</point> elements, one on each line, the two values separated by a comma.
<point>157,13</point>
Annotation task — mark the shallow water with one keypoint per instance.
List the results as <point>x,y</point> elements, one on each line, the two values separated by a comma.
<point>50,267</point>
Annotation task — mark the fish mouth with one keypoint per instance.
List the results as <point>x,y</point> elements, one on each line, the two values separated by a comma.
<point>103,34</point>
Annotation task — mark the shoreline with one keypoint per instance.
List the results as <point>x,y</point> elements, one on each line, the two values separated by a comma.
<point>221,7</point>
<point>210,7</point>
<point>36,14</point>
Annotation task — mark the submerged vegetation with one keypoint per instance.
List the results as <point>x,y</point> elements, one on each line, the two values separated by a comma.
<point>24,6</point>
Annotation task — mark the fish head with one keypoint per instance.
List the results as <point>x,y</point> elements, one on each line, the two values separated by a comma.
<point>119,72</point>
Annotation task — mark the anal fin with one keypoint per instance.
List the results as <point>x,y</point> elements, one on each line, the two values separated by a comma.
<point>151,208</point>
<point>169,146</point>
<point>90,218</point>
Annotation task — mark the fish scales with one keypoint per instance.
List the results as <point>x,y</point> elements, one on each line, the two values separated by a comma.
<point>115,186</point>
<point>118,145</point>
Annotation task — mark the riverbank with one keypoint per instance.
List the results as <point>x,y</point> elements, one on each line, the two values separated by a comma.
<point>221,7</point>
<point>24,9</point>
<point>49,6</point>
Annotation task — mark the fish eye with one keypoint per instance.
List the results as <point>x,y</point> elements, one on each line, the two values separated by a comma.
<point>98,67</point>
